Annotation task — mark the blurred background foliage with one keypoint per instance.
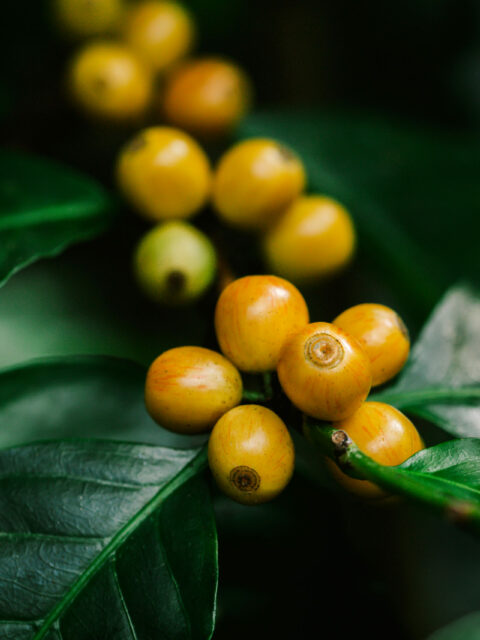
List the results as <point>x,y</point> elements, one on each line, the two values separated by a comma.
<point>383,100</point>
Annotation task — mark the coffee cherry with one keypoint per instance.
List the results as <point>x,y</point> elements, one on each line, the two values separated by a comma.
<point>253,318</point>
<point>324,372</point>
<point>108,81</point>
<point>382,433</point>
<point>207,97</point>
<point>314,238</point>
<point>164,173</point>
<point>85,18</point>
<point>383,336</point>
<point>189,388</point>
<point>175,263</point>
<point>159,32</point>
<point>251,454</point>
<point>255,181</point>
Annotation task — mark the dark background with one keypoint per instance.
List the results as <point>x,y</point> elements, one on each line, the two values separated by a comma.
<point>313,563</point>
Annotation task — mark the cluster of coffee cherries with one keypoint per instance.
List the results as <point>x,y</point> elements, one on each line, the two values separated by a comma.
<point>326,370</point>
<point>257,185</point>
<point>135,66</point>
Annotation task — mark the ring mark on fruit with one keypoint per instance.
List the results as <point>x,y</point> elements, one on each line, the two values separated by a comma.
<point>245,478</point>
<point>403,328</point>
<point>324,351</point>
<point>136,144</point>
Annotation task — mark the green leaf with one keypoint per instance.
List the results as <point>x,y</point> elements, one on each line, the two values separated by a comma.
<point>406,188</point>
<point>441,381</point>
<point>466,628</point>
<point>44,208</point>
<point>80,397</point>
<point>105,540</point>
<point>445,477</point>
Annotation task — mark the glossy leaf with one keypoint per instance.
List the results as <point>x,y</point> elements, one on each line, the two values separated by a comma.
<point>406,188</point>
<point>105,540</point>
<point>466,628</point>
<point>441,381</point>
<point>81,397</point>
<point>45,207</point>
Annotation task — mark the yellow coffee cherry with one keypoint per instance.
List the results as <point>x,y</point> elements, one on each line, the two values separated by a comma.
<point>85,18</point>
<point>108,81</point>
<point>313,238</point>
<point>175,263</point>
<point>255,181</point>
<point>159,32</point>
<point>207,97</point>
<point>383,336</point>
<point>253,318</point>
<point>164,174</point>
<point>324,372</point>
<point>384,434</point>
<point>189,388</point>
<point>251,454</point>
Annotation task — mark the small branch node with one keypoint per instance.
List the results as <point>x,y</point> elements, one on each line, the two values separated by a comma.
<point>341,442</point>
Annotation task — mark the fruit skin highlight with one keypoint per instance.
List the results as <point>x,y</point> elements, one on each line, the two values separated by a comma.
<point>109,82</point>
<point>324,372</point>
<point>255,181</point>
<point>383,336</point>
<point>175,263</point>
<point>161,33</point>
<point>207,97</point>
<point>313,239</point>
<point>189,388</point>
<point>251,454</point>
<point>253,318</point>
<point>384,434</point>
<point>164,173</point>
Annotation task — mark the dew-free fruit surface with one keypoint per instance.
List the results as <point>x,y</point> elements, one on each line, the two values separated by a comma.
<point>159,32</point>
<point>313,239</point>
<point>164,174</point>
<point>175,263</point>
<point>207,97</point>
<point>251,454</point>
<point>108,81</point>
<point>383,336</point>
<point>254,317</point>
<point>189,388</point>
<point>255,181</point>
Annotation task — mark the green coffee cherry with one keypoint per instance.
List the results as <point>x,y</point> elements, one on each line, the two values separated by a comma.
<point>175,263</point>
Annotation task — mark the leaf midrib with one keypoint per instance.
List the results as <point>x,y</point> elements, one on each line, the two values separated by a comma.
<point>189,471</point>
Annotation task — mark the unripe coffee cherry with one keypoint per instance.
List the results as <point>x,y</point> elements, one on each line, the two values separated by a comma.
<point>255,181</point>
<point>383,336</point>
<point>314,238</point>
<point>175,263</point>
<point>324,372</point>
<point>164,173</point>
<point>251,454</point>
<point>253,318</point>
<point>85,18</point>
<point>384,434</point>
<point>189,388</point>
<point>159,32</point>
<point>108,81</point>
<point>207,97</point>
